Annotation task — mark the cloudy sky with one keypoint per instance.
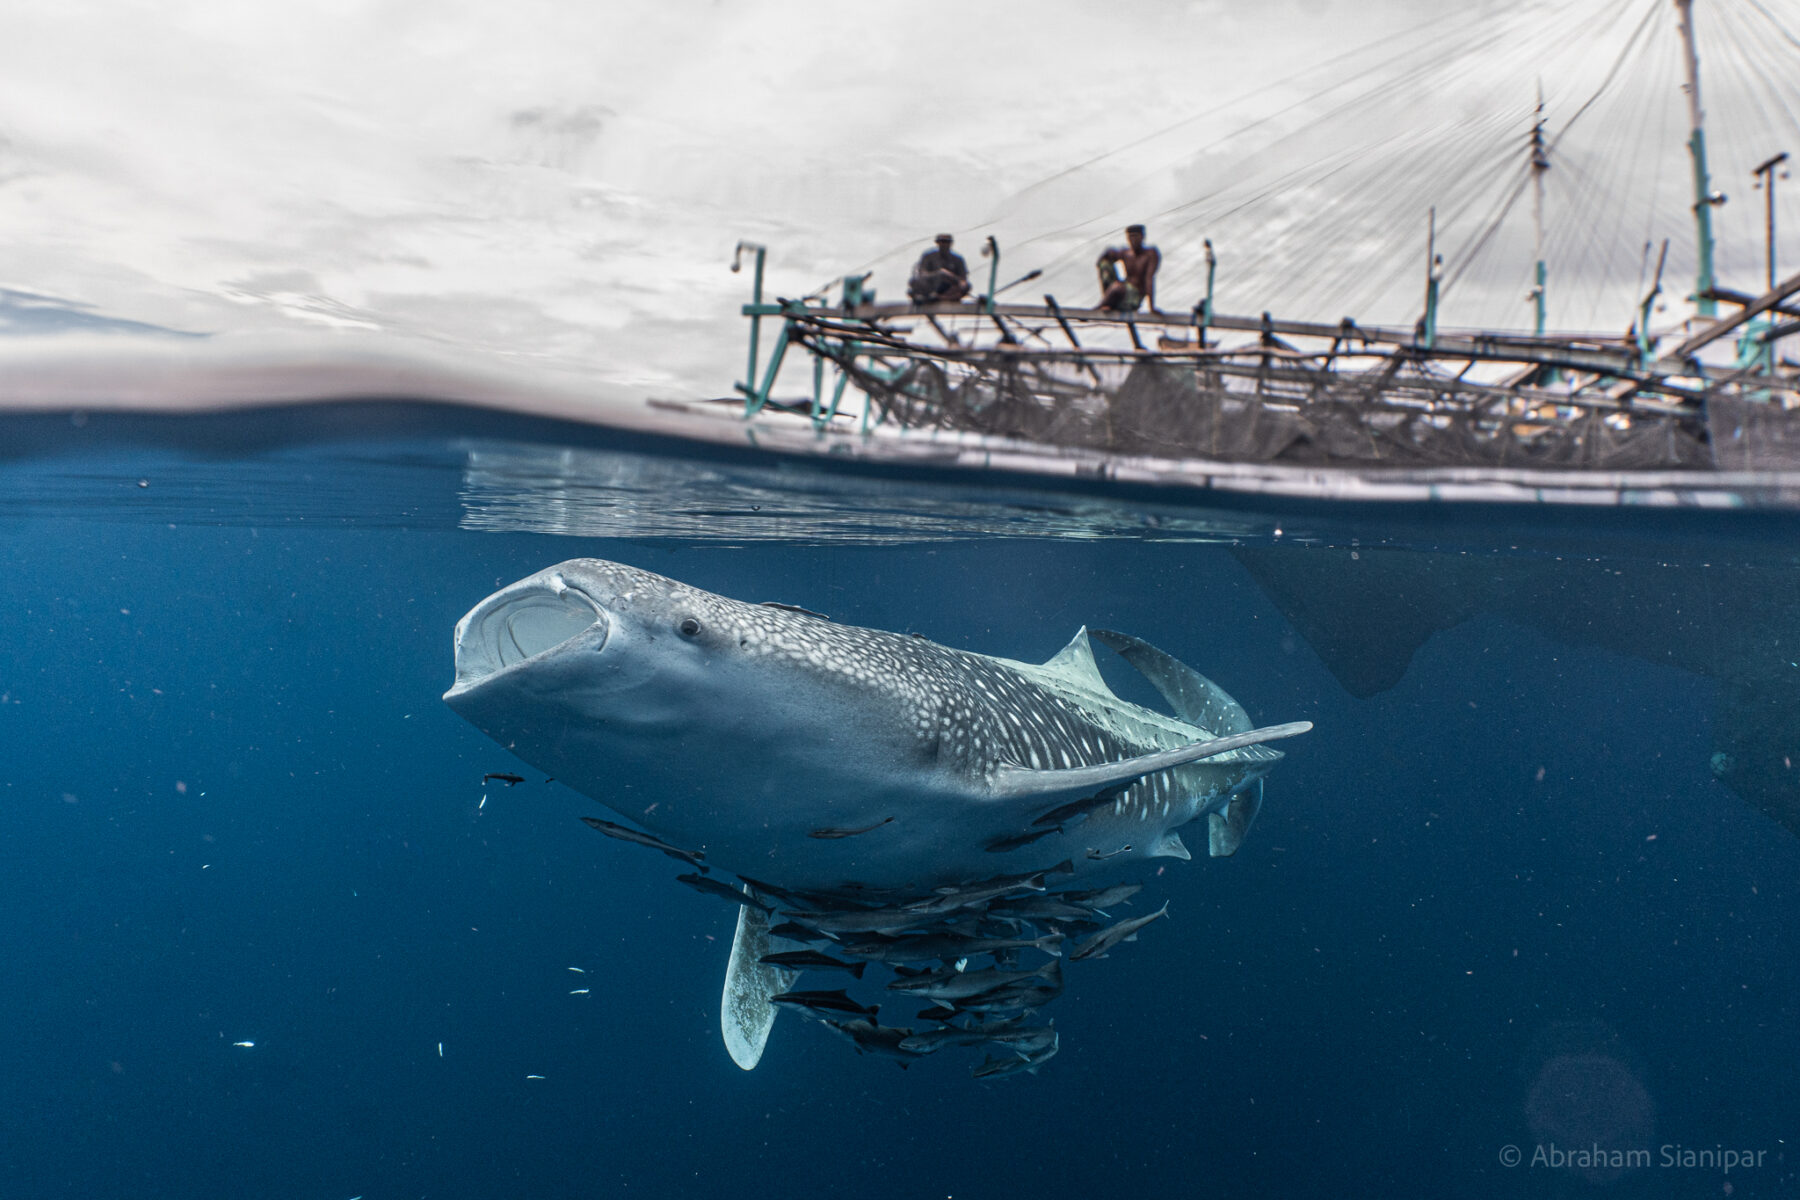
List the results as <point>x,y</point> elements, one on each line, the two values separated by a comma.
<point>565,183</point>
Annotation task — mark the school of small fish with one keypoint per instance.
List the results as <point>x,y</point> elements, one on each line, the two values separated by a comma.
<point>992,1008</point>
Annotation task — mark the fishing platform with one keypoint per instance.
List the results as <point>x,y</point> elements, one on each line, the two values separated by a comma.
<point>1708,391</point>
<point>1263,389</point>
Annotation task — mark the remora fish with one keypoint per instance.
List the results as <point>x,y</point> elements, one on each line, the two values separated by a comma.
<point>972,895</point>
<point>963,985</point>
<point>624,834</point>
<point>793,959</point>
<point>724,891</point>
<point>873,1038</point>
<point>828,834</point>
<point>1112,935</point>
<point>861,920</point>
<point>1044,908</point>
<point>1099,898</point>
<point>742,728</point>
<point>1019,1060</point>
<point>1014,1033</point>
<point>837,1000</point>
<point>952,946</point>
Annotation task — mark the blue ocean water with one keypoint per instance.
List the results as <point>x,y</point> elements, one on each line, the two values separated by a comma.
<point>1504,905</point>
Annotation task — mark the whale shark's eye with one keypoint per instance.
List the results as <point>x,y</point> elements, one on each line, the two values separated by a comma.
<point>689,627</point>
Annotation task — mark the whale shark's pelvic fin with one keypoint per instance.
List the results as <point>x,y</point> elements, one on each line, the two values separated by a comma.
<point>1037,785</point>
<point>1170,845</point>
<point>1225,830</point>
<point>1195,698</point>
<point>745,1014</point>
<point>1075,663</point>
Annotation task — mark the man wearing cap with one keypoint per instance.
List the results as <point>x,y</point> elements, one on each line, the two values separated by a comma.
<point>1139,263</point>
<point>941,275</point>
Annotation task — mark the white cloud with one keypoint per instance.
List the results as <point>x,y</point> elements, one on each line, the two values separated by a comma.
<point>565,182</point>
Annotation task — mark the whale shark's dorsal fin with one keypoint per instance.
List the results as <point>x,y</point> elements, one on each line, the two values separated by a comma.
<point>1195,698</point>
<point>1010,782</point>
<point>1075,663</point>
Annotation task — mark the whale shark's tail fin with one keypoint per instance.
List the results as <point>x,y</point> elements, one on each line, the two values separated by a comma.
<point>1199,700</point>
<point>745,1014</point>
<point>1192,696</point>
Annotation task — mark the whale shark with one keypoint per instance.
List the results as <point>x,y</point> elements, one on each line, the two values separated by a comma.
<point>838,769</point>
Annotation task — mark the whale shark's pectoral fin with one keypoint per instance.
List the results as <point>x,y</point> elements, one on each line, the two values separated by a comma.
<point>745,1014</point>
<point>1038,785</point>
<point>1225,830</point>
<point>1192,696</point>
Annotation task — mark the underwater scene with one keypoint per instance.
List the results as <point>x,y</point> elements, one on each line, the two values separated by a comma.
<point>1492,896</point>
<point>1015,601</point>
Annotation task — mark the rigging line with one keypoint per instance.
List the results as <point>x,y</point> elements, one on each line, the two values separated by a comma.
<point>1727,47</point>
<point>1480,168</point>
<point>1375,191</point>
<point>1368,98</point>
<point>1769,57</point>
<point>1762,53</point>
<point>1307,175</point>
<point>1480,243</point>
<point>1239,99</point>
<point>1380,89</point>
<point>1428,25</point>
<point>1275,257</point>
<point>1656,180</point>
<point>1594,264</point>
<point>1190,204</point>
<point>1771,18</point>
<point>1345,160</point>
<point>1743,254</point>
<point>1650,10</point>
<point>1475,176</point>
<point>1466,257</point>
<point>1281,253</point>
<point>1460,261</point>
<point>1242,97</point>
<point>1352,277</point>
<point>1577,235</point>
<point>1615,259</point>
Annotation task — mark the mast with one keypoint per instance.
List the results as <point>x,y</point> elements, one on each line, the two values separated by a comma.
<point>1704,196</point>
<point>1540,163</point>
<point>1765,179</point>
<point>1433,261</point>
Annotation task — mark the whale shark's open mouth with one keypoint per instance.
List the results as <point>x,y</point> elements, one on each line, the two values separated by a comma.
<point>520,623</point>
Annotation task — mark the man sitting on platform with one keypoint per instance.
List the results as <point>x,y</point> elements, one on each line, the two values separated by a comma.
<point>941,276</point>
<point>1138,284</point>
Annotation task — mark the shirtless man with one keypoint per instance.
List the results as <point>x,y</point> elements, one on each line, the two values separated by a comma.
<point>1139,263</point>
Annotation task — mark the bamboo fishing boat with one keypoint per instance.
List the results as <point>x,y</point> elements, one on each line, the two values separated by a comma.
<point>1713,392</point>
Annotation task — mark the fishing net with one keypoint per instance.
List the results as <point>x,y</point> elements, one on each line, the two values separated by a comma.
<point>1274,405</point>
